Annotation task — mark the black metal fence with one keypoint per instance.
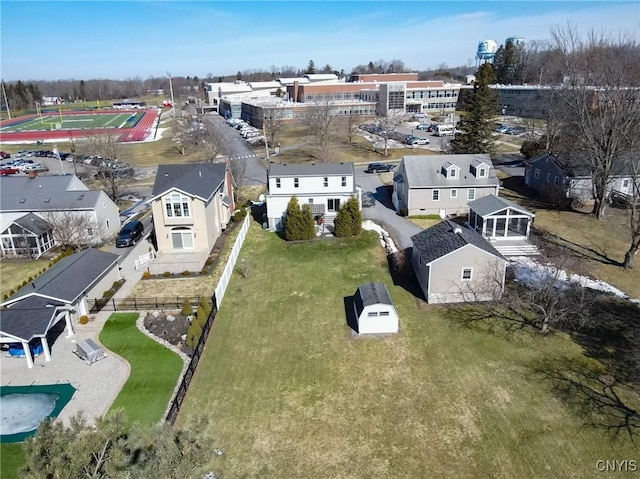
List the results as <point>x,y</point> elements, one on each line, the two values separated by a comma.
<point>176,403</point>
<point>140,304</point>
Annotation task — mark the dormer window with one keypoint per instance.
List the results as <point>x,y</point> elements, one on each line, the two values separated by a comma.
<point>482,172</point>
<point>453,173</point>
<point>450,171</point>
<point>479,169</point>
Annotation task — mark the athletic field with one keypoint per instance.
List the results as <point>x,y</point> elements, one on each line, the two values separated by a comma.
<point>130,125</point>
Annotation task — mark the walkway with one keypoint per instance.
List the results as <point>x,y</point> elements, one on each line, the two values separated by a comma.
<point>97,385</point>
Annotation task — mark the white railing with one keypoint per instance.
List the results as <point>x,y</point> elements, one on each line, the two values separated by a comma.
<point>144,259</point>
<point>231,262</point>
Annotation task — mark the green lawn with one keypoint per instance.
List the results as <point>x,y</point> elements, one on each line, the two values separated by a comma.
<point>154,369</point>
<point>11,459</point>
<point>291,393</point>
<point>70,121</point>
<point>14,271</point>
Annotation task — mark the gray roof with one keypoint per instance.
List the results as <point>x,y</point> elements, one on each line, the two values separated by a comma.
<point>33,223</point>
<point>70,277</point>
<point>197,179</point>
<point>426,171</point>
<point>371,293</point>
<point>442,239</point>
<point>29,318</point>
<point>44,193</point>
<point>490,204</point>
<point>312,169</point>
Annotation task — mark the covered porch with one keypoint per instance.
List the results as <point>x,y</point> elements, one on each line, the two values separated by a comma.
<point>27,236</point>
<point>28,322</point>
<point>504,223</point>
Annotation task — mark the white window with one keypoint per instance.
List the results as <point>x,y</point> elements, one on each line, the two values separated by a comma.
<point>537,174</point>
<point>548,177</point>
<point>278,183</point>
<point>453,173</point>
<point>482,173</point>
<point>177,205</point>
<point>182,238</point>
<point>325,182</point>
<point>471,194</point>
<point>556,181</point>
<point>344,181</point>
<point>296,182</point>
<point>467,274</point>
<point>435,195</point>
<point>310,201</point>
<point>625,183</point>
<point>454,193</point>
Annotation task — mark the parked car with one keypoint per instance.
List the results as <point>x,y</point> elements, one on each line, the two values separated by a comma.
<point>419,141</point>
<point>419,115</point>
<point>423,126</point>
<point>130,234</point>
<point>4,155</point>
<point>8,170</point>
<point>378,167</point>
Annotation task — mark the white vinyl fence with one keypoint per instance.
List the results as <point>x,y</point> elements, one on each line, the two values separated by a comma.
<point>231,262</point>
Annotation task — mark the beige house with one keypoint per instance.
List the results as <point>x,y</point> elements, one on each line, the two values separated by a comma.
<point>191,204</point>
<point>442,184</point>
<point>455,264</point>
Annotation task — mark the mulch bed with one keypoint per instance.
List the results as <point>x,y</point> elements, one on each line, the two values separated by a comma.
<point>171,330</point>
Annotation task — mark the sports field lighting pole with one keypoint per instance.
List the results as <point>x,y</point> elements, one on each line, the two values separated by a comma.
<point>173,105</point>
<point>4,92</point>
<point>57,153</point>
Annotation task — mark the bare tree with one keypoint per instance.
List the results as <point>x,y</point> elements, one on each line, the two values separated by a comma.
<point>112,173</point>
<point>388,121</point>
<point>273,120</point>
<point>352,120</point>
<point>105,146</point>
<point>181,134</point>
<point>238,168</point>
<point>73,229</point>
<point>600,102</point>
<point>634,213</point>
<point>210,144</point>
<point>319,119</point>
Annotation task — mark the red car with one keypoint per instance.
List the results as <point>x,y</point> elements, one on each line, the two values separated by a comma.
<point>4,155</point>
<point>7,170</point>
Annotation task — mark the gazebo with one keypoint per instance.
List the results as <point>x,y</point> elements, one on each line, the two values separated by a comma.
<point>32,318</point>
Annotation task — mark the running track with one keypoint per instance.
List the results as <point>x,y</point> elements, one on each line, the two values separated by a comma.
<point>138,133</point>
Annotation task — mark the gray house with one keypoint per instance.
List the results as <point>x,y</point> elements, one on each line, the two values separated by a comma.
<point>58,293</point>
<point>442,184</point>
<point>455,264</point>
<point>61,200</point>
<point>547,171</point>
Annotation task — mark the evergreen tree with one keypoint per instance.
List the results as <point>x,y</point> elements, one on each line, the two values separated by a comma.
<point>292,220</point>
<point>311,68</point>
<point>187,310</point>
<point>476,129</point>
<point>82,93</point>
<point>348,222</point>
<point>508,64</point>
<point>194,331</point>
<point>308,225</point>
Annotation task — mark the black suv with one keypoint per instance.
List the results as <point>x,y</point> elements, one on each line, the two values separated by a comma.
<point>130,234</point>
<point>378,167</point>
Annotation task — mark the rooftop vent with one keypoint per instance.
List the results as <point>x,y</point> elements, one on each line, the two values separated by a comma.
<point>457,230</point>
<point>46,200</point>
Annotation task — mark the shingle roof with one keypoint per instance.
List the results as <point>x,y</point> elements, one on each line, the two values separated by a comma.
<point>442,239</point>
<point>44,193</point>
<point>70,277</point>
<point>371,293</point>
<point>197,179</point>
<point>29,318</point>
<point>33,223</point>
<point>426,171</point>
<point>491,204</point>
<point>312,169</point>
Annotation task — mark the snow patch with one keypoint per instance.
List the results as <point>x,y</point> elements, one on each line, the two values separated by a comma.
<point>385,240</point>
<point>533,274</point>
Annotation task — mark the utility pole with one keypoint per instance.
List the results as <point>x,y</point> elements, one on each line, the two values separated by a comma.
<point>173,105</point>
<point>4,92</point>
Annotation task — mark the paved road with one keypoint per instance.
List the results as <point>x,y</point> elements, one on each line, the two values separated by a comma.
<point>235,147</point>
<point>382,211</point>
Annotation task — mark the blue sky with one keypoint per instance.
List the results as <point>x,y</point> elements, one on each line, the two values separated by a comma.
<point>124,39</point>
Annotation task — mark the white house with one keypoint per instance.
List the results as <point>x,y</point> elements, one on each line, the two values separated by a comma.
<point>325,187</point>
<point>374,309</point>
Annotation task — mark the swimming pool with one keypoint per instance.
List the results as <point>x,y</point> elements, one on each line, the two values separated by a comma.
<point>24,407</point>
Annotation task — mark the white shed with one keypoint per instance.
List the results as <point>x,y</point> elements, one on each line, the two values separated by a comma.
<point>374,309</point>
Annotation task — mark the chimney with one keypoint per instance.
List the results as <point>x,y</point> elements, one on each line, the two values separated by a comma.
<point>33,174</point>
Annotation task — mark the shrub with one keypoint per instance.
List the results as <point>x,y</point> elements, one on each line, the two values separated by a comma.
<point>194,331</point>
<point>116,284</point>
<point>12,292</point>
<point>107,294</point>
<point>243,268</point>
<point>186,273</point>
<point>146,275</point>
<point>239,215</point>
<point>84,319</point>
<point>166,274</point>
<point>209,261</point>
<point>404,212</point>
<point>348,222</point>
<point>533,148</point>
<point>187,310</point>
<point>5,297</point>
<point>29,279</point>
<point>556,196</point>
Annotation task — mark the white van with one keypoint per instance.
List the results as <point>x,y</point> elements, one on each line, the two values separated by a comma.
<point>443,130</point>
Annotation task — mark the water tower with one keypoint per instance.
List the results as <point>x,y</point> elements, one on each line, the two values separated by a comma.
<point>515,41</point>
<point>486,51</point>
